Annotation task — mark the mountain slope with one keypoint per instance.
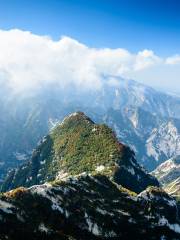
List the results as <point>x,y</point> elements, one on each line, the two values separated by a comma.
<point>164,141</point>
<point>87,207</point>
<point>168,173</point>
<point>79,145</point>
<point>173,188</point>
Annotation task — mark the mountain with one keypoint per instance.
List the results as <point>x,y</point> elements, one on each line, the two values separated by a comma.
<point>82,183</point>
<point>144,119</point>
<point>77,145</point>
<point>168,173</point>
<point>87,207</point>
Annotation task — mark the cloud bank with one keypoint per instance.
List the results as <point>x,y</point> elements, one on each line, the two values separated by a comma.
<point>29,61</point>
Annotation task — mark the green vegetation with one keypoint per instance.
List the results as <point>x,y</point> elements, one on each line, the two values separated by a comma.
<point>80,146</point>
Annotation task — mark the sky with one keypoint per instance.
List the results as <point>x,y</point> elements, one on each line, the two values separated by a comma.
<point>134,38</point>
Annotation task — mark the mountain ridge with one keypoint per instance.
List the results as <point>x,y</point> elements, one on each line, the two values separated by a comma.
<point>65,192</point>
<point>87,207</point>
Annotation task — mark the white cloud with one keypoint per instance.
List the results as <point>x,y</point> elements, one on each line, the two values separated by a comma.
<point>30,61</point>
<point>173,60</point>
<point>145,59</point>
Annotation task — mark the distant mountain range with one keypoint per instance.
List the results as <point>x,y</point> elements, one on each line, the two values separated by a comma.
<point>84,184</point>
<point>146,120</point>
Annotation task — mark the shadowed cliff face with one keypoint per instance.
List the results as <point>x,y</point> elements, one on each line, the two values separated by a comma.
<point>76,146</point>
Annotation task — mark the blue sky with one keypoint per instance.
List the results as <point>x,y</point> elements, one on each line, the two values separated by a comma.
<point>130,24</point>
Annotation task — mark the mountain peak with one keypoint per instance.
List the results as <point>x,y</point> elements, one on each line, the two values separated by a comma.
<point>77,116</point>
<point>77,146</point>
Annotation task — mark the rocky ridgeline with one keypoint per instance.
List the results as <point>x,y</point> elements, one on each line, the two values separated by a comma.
<point>87,207</point>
